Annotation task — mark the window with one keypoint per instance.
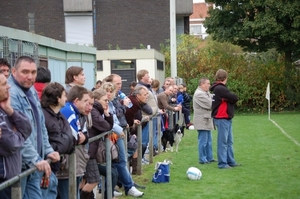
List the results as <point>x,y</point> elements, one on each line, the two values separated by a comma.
<point>160,65</point>
<point>123,64</point>
<point>195,29</point>
<point>100,65</point>
<point>79,28</point>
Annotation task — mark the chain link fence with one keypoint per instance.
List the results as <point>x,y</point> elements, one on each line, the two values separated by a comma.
<point>11,49</point>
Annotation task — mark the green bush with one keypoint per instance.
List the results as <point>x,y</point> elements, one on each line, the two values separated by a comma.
<point>249,73</point>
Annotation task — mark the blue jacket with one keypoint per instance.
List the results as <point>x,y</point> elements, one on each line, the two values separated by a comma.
<point>116,126</point>
<point>11,142</point>
<point>20,102</point>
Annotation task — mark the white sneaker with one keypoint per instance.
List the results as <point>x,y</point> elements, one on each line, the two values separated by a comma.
<point>191,127</point>
<point>116,193</point>
<point>144,161</point>
<point>147,150</point>
<point>134,192</point>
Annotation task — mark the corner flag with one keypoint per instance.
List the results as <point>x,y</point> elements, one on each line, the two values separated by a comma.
<point>268,92</point>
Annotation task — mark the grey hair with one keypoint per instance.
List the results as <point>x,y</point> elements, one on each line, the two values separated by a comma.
<point>138,89</point>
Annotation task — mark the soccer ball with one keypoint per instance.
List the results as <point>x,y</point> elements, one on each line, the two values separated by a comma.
<point>194,173</point>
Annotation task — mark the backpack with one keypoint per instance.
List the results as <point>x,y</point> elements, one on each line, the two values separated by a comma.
<point>101,152</point>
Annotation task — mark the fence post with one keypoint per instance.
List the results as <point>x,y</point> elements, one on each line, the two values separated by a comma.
<point>159,133</point>
<point>150,144</point>
<point>108,169</point>
<point>126,131</point>
<point>16,191</point>
<point>171,119</point>
<point>139,160</point>
<point>72,175</point>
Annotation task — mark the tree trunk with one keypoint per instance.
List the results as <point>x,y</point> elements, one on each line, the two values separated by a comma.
<point>289,93</point>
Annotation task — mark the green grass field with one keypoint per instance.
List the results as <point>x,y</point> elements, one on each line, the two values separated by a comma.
<point>270,163</point>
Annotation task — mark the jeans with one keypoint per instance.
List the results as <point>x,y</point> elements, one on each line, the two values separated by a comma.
<point>145,134</point>
<point>124,175</point>
<point>186,114</point>
<point>114,177</point>
<point>155,133</point>
<point>205,146</point>
<point>225,143</point>
<point>31,186</point>
<point>63,188</point>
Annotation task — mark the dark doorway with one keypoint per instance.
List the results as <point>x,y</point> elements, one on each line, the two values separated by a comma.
<point>127,70</point>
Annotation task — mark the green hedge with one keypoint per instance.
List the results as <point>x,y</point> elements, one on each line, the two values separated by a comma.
<point>249,73</point>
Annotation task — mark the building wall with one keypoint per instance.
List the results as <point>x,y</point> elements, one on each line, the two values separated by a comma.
<point>120,24</point>
<point>131,23</point>
<point>49,16</point>
<point>197,19</point>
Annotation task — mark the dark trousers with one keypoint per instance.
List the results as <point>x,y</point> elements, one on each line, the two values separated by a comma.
<point>5,193</point>
<point>114,177</point>
<point>186,114</point>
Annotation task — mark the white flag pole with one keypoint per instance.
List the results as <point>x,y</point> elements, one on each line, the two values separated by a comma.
<point>268,98</point>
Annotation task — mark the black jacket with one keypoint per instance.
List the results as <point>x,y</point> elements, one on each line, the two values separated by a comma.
<point>223,102</point>
<point>59,132</point>
<point>186,100</point>
<point>11,142</point>
<point>101,124</point>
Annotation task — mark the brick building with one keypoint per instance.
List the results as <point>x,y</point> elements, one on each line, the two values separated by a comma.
<point>105,24</point>
<point>200,9</point>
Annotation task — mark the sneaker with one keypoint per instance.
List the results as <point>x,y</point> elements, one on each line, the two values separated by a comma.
<point>117,193</point>
<point>144,161</point>
<point>147,151</point>
<point>134,192</point>
<point>191,127</point>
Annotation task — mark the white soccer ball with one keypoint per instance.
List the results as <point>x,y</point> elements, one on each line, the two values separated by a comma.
<point>194,173</point>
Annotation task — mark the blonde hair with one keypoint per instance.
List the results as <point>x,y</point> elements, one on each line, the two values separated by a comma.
<point>108,86</point>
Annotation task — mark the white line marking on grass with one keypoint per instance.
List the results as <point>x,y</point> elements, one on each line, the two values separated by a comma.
<point>287,135</point>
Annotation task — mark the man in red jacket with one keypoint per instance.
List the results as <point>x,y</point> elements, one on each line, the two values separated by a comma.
<point>223,112</point>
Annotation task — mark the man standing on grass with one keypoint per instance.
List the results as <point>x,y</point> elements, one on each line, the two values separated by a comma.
<point>202,101</point>
<point>223,112</point>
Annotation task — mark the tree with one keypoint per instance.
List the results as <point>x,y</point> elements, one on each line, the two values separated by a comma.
<point>259,25</point>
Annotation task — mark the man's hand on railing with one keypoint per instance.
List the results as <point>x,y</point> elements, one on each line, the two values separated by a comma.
<point>122,135</point>
<point>81,138</point>
<point>178,107</point>
<point>44,166</point>
<point>145,118</point>
<point>54,156</point>
<point>137,122</point>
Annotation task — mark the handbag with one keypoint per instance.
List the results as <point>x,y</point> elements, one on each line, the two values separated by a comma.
<point>101,152</point>
<point>162,174</point>
<point>132,143</point>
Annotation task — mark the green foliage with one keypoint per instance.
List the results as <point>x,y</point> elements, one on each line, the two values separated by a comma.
<point>259,25</point>
<point>249,73</point>
<point>142,46</point>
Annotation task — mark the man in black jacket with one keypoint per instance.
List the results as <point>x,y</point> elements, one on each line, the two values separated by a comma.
<point>223,112</point>
<point>15,128</point>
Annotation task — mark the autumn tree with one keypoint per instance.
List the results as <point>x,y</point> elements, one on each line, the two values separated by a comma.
<point>259,25</point>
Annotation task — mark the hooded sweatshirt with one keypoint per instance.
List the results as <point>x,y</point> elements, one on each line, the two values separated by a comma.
<point>223,101</point>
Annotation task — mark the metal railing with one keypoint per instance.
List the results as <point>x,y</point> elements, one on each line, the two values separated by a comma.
<point>16,185</point>
<point>15,181</point>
